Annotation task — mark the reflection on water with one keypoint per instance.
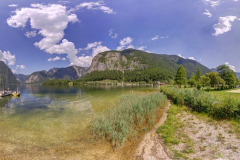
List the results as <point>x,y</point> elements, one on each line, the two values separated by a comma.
<point>84,98</point>
<point>36,97</point>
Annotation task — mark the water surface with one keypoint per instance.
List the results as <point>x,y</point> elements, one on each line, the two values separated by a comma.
<point>44,117</point>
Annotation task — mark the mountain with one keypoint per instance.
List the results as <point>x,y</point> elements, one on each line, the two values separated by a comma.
<point>68,73</point>
<point>6,76</point>
<point>21,77</point>
<point>131,59</point>
<point>214,69</point>
<point>238,75</point>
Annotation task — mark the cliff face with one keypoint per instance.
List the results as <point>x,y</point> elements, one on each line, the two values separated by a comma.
<point>131,59</point>
<point>68,73</point>
<point>21,77</point>
<point>114,60</point>
<point>6,76</point>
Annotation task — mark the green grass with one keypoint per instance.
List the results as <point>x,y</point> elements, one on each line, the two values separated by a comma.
<point>169,129</point>
<point>132,115</point>
<point>225,93</point>
<point>171,132</point>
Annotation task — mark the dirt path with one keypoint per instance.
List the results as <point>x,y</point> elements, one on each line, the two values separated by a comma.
<point>235,91</point>
<point>152,147</point>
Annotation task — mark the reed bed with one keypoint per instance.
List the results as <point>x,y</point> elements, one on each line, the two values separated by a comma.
<point>131,116</point>
<point>200,101</point>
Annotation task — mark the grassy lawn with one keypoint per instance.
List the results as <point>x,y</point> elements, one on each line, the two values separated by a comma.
<point>225,93</point>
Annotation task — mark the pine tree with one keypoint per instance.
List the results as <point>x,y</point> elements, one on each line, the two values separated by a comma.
<point>181,76</point>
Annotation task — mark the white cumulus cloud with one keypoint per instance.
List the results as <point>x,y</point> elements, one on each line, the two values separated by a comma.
<point>63,2</point>
<point>13,5</point>
<point>112,34</point>
<point>212,3</point>
<point>14,71</point>
<point>20,66</point>
<point>7,57</point>
<point>51,21</point>
<point>93,6</point>
<point>141,48</point>
<point>155,38</point>
<point>180,55</point>
<point>31,34</point>
<point>96,48</point>
<point>99,49</point>
<point>224,25</point>
<point>164,37</point>
<point>230,66</point>
<point>54,59</point>
<point>130,46</point>
<point>207,13</point>
<point>125,42</point>
<point>92,45</point>
<point>192,58</point>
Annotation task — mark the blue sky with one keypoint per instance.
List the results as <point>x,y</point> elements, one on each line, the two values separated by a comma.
<point>41,34</point>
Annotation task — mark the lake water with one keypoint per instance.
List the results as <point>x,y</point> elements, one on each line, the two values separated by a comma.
<point>46,117</point>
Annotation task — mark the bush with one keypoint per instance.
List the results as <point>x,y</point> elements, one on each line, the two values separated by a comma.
<point>201,101</point>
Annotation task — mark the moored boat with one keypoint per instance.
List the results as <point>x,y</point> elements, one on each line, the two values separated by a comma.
<point>16,93</point>
<point>5,93</point>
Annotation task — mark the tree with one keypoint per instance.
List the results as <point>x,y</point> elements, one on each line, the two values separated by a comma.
<point>192,80</point>
<point>213,78</point>
<point>198,75</point>
<point>181,76</point>
<point>220,81</point>
<point>204,81</point>
<point>223,70</point>
<point>227,75</point>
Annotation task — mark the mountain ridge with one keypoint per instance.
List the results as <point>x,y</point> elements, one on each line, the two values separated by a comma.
<point>67,73</point>
<point>131,59</point>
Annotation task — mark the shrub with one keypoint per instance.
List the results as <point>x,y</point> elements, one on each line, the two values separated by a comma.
<point>201,101</point>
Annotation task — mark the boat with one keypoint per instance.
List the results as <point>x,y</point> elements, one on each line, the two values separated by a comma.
<point>5,93</point>
<point>16,93</point>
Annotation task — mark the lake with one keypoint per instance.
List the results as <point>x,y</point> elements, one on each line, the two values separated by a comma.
<point>44,119</point>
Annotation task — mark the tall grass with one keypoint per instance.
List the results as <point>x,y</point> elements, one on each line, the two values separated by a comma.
<point>132,115</point>
<point>200,101</point>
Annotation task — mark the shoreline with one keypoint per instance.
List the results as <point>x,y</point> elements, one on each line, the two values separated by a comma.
<point>152,146</point>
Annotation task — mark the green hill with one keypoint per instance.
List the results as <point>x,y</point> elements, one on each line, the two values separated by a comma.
<point>135,63</point>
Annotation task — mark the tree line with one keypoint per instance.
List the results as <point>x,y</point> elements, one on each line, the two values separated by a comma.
<point>224,78</point>
<point>148,75</point>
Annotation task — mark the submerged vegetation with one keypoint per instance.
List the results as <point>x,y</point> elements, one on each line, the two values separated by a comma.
<point>200,101</point>
<point>132,115</point>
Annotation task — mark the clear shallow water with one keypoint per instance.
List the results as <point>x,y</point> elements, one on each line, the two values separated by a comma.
<point>43,117</point>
